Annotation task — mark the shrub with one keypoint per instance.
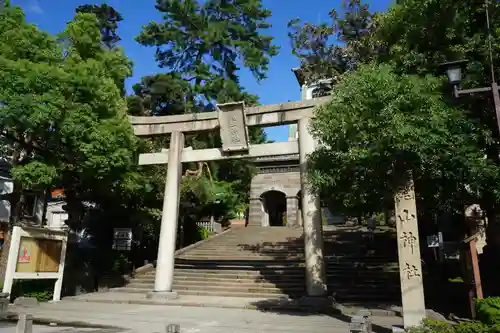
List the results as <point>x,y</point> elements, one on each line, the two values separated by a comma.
<point>488,310</point>
<point>203,233</point>
<point>476,327</point>
<point>42,290</point>
<point>433,326</point>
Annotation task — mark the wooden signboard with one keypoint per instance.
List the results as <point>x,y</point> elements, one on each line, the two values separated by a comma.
<point>36,253</point>
<point>39,255</point>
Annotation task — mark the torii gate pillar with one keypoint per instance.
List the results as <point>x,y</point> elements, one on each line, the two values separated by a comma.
<point>164,278</point>
<point>311,217</point>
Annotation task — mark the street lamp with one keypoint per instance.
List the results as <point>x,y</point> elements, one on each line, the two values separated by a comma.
<point>454,72</point>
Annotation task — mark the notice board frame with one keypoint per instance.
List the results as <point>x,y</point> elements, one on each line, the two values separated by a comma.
<point>33,233</point>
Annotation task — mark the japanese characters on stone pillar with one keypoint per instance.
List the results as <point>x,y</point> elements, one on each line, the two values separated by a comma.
<point>410,267</point>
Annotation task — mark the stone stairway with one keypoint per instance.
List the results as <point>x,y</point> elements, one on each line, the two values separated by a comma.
<point>360,269</point>
<point>269,263</point>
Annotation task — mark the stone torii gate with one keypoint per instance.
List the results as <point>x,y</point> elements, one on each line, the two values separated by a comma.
<point>232,120</point>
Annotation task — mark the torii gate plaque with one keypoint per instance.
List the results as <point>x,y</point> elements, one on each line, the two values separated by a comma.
<point>233,127</point>
<point>232,120</point>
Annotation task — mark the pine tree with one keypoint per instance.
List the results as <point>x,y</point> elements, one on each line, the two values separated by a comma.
<point>201,45</point>
<point>328,50</point>
<point>108,19</point>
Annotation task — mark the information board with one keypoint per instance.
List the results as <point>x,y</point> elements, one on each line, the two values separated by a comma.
<point>37,255</point>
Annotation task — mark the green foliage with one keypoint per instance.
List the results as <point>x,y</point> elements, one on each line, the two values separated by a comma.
<point>328,50</point>
<point>434,326</point>
<point>380,124</point>
<point>108,19</point>
<point>416,36</point>
<point>228,32</point>
<point>42,290</point>
<point>62,110</point>
<point>202,45</point>
<point>203,233</point>
<point>381,219</point>
<point>488,310</point>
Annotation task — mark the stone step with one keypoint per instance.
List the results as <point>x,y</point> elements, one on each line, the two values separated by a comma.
<point>345,279</point>
<point>241,248</point>
<point>360,288</point>
<point>233,272</point>
<point>333,269</point>
<point>231,294</point>
<point>338,254</point>
<point>267,264</point>
<point>270,266</point>
<point>229,284</point>
<point>242,257</point>
<point>257,291</point>
<point>276,272</point>
<point>204,251</point>
<point>257,243</point>
<point>205,293</point>
<point>340,294</point>
<point>234,277</point>
<point>269,260</point>
<point>285,258</point>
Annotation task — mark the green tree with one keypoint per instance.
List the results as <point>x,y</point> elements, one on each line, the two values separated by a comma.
<point>417,37</point>
<point>202,44</point>
<point>328,50</point>
<point>378,125</point>
<point>62,116</point>
<point>108,19</point>
<point>206,41</point>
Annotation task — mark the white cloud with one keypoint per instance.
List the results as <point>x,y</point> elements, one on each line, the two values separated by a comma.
<point>34,7</point>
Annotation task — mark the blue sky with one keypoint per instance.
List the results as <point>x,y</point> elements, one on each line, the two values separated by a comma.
<point>280,86</point>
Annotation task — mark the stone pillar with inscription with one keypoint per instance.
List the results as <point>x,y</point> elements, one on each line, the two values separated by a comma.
<point>410,266</point>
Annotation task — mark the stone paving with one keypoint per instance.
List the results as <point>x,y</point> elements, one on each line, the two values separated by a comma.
<point>134,318</point>
<point>11,328</point>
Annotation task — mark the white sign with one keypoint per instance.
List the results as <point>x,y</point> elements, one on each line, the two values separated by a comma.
<point>122,239</point>
<point>435,240</point>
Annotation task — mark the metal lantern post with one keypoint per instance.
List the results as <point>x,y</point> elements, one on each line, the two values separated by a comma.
<point>454,72</point>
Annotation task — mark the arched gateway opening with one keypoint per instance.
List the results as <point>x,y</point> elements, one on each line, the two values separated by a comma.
<point>274,205</point>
